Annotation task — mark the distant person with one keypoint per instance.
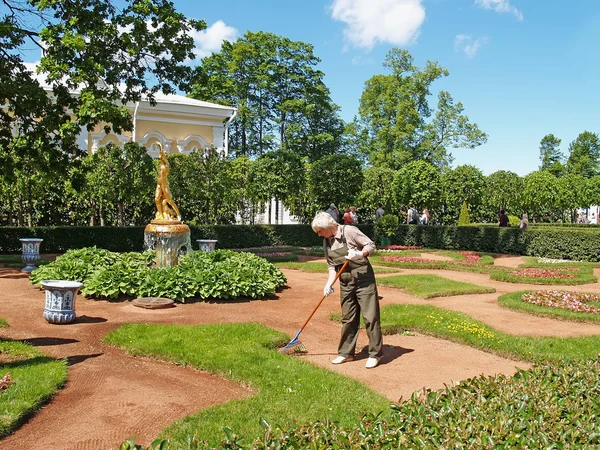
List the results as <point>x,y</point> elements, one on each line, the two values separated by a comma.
<point>379,213</point>
<point>503,219</point>
<point>354,215</point>
<point>424,220</point>
<point>524,221</point>
<point>412,215</point>
<point>347,218</point>
<point>332,211</point>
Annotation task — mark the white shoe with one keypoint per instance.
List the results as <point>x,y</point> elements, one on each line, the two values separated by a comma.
<point>372,362</point>
<point>342,359</point>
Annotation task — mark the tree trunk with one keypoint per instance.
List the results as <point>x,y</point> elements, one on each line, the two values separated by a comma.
<point>276,211</point>
<point>270,210</point>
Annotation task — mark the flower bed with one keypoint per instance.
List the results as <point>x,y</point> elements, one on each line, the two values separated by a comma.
<point>573,301</point>
<point>400,247</point>
<point>559,273</point>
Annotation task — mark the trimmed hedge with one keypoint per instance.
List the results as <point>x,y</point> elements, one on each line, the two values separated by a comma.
<point>573,243</point>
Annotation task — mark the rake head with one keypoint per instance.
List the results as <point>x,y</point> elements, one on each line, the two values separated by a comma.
<point>295,346</point>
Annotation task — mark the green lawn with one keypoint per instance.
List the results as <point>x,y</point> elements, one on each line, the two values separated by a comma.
<point>429,286</point>
<point>287,388</point>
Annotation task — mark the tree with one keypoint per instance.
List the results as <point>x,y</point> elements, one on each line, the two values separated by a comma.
<point>463,184</point>
<point>377,188</point>
<point>584,155</point>
<point>280,95</point>
<point>464,218</point>
<point>502,191</point>
<point>571,194</point>
<point>550,155</point>
<point>395,111</point>
<point>419,183</point>
<point>110,55</point>
<point>275,175</point>
<point>540,196</point>
<point>335,179</point>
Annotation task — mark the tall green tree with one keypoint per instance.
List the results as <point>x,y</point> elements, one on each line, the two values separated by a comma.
<point>110,54</point>
<point>377,188</point>
<point>551,156</point>
<point>419,183</point>
<point>465,183</point>
<point>502,191</point>
<point>402,127</point>
<point>335,179</point>
<point>571,194</point>
<point>541,196</point>
<point>282,100</point>
<point>584,155</point>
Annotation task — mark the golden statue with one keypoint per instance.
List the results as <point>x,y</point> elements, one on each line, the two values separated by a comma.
<point>166,210</point>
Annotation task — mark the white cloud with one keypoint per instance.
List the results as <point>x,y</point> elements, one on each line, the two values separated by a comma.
<point>369,22</point>
<point>210,40</point>
<point>500,6</point>
<point>465,43</point>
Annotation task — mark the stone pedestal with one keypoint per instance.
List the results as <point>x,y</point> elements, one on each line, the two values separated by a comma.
<point>31,253</point>
<point>206,245</point>
<point>60,300</point>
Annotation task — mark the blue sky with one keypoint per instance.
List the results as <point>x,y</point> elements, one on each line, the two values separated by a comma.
<point>521,68</point>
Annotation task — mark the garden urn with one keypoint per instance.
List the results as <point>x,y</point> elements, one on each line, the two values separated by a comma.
<point>60,300</point>
<point>31,253</point>
<point>206,245</point>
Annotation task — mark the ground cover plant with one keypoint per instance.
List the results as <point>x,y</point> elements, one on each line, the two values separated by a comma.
<point>566,305</point>
<point>32,380</point>
<point>220,274</point>
<point>285,387</point>
<point>461,328</point>
<point>430,285</point>
<point>565,275</point>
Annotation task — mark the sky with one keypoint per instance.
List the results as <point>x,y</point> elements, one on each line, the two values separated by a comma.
<point>521,68</point>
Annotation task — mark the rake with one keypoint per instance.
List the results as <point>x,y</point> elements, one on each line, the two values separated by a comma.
<point>295,345</point>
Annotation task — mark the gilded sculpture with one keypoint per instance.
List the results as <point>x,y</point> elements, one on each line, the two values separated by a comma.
<point>166,210</point>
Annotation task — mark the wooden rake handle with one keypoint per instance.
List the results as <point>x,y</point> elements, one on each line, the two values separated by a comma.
<point>323,298</point>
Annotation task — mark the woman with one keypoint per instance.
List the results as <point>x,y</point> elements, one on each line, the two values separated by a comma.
<point>358,290</point>
<point>425,217</point>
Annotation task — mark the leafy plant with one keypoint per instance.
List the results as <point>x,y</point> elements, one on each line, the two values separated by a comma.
<point>463,218</point>
<point>387,226</point>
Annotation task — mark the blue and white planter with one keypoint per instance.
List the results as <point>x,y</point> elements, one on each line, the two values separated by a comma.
<point>31,253</point>
<point>206,245</point>
<point>60,300</point>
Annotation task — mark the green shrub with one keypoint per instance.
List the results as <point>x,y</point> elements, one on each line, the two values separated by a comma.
<point>464,218</point>
<point>386,227</point>
<point>220,274</point>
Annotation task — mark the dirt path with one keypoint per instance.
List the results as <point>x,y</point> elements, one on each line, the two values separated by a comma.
<point>111,396</point>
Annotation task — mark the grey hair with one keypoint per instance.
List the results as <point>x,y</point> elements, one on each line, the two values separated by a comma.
<point>322,221</point>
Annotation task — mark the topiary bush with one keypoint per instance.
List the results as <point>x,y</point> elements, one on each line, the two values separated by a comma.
<point>221,274</point>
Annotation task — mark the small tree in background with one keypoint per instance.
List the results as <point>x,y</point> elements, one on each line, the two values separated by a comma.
<point>464,218</point>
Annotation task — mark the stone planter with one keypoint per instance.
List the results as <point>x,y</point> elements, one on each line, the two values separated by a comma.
<point>31,253</point>
<point>206,245</point>
<point>60,300</point>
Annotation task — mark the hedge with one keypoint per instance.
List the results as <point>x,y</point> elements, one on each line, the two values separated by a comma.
<point>574,243</point>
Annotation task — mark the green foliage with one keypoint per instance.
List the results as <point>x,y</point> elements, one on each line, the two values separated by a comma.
<point>36,378</point>
<point>387,226</point>
<point>399,123</point>
<point>540,196</point>
<point>419,183</point>
<point>284,389</point>
<point>502,191</point>
<point>336,179</point>
<point>111,55</point>
<point>465,183</point>
<point>464,218</point>
<point>584,155</point>
<point>551,156</point>
<point>376,189</point>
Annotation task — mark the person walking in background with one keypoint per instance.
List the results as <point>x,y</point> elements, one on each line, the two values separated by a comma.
<point>347,218</point>
<point>379,213</point>
<point>503,219</point>
<point>353,215</point>
<point>524,221</point>
<point>425,217</point>
<point>332,211</point>
<point>412,216</point>
<point>358,289</point>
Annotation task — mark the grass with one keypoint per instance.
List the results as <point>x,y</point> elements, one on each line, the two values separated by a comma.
<point>513,301</point>
<point>321,267</point>
<point>287,388</point>
<point>36,379</point>
<point>429,286</point>
<point>459,327</point>
<point>16,261</point>
<point>583,275</point>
